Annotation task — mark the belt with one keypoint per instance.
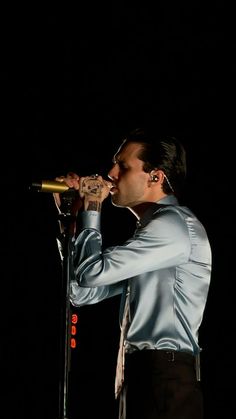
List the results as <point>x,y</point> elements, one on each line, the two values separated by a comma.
<point>160,354</point>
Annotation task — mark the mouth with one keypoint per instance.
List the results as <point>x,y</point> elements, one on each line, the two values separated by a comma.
<point>113,189</point>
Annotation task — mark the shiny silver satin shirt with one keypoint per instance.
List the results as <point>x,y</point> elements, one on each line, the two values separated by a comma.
<point>167,265</point>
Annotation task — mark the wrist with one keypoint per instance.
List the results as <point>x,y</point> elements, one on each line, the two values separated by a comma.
<point>91,204</point>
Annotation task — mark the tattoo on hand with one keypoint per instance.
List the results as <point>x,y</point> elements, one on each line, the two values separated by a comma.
<point>92,187</point>
<point>94,206</point>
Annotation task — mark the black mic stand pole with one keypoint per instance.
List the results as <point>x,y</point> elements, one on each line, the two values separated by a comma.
<point>67,220</point>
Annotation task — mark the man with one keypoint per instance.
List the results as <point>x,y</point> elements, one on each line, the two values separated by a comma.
<point>162,272</point>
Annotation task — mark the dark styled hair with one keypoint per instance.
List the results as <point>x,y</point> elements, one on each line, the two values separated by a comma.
<point>164,153</point>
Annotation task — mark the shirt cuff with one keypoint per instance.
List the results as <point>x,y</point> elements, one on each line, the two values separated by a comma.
<point>91,219</point>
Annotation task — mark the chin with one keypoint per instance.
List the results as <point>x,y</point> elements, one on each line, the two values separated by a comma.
<point>116,202</point>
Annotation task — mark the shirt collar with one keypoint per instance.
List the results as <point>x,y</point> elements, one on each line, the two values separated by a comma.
<point>167,200</point>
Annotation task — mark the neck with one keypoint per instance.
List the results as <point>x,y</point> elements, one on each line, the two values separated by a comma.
<point>139,209</point>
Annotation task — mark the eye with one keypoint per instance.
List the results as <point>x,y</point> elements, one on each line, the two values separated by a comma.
<point>122,166</point>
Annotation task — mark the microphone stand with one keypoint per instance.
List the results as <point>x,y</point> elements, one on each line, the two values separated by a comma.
<point>67,220</point>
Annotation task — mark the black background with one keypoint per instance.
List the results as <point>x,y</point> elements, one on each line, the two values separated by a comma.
<point>73,80</point>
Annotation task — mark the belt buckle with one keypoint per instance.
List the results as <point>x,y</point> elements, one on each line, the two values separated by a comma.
<point>171,356</point>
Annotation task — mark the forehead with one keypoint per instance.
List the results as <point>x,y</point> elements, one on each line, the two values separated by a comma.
<point>128,151</point>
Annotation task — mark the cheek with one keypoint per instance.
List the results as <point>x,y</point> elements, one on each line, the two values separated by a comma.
<point>137,184</point>
<point>142,180</point>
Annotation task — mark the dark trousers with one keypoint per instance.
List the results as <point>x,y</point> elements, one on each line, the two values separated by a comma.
<point>162,385</point>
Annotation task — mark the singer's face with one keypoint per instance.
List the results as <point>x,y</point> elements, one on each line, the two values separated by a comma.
<point>130,182</point>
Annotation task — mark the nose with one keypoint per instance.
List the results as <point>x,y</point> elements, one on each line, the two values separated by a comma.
<point>113,173</point>
<point>110,175</point>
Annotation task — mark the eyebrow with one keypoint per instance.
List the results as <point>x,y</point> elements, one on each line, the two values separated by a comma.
<point>116,159</point>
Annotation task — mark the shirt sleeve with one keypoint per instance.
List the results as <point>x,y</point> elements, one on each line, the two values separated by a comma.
<point>162,243</point>
<point>86,248</point>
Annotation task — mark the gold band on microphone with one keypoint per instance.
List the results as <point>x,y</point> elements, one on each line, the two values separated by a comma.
<point>49,186</point>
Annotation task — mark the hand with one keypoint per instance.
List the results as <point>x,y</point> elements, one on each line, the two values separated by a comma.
<point>94,189</point>
<point>71,180</point>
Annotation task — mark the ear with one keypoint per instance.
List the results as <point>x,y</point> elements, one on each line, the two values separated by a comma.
<point>157,175</point>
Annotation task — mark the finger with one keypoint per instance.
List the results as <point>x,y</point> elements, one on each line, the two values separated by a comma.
<point>108,184</point>
<point>81,181</point>
<point>57,199</point>
<point>60,178</point>
<point>73,176</point>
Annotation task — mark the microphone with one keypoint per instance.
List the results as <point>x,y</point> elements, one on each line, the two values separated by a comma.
<point>50,186</point>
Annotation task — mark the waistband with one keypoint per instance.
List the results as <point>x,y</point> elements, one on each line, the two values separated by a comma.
<point>161,355</point>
